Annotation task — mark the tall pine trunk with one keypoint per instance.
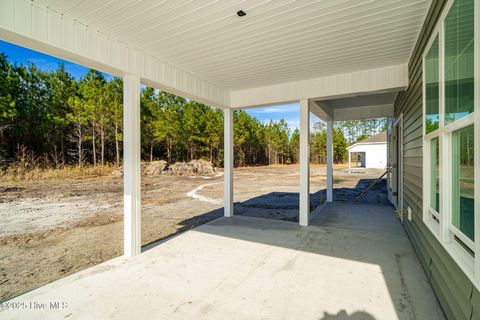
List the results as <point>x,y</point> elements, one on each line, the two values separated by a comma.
<point>79,145</point>
<point>117,145</point>
<point>62,149</point>
<point>102,144</point>
<point>94,152</point>
<point>169,153</point>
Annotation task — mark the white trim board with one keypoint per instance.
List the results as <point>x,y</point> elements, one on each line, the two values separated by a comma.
<point>380,80</point>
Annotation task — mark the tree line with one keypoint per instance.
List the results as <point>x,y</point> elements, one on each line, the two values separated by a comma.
<point>357,130</point>
<point>52,119</point>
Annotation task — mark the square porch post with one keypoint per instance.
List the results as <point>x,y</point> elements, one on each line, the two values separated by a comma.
<point>304,207</point>
<point>228,162</point>
<point>329,161</point>
<point>131,165</point>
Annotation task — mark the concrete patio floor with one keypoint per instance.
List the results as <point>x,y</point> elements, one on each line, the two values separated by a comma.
<point>354,262</point>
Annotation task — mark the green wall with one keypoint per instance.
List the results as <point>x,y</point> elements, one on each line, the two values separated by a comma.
<point>457,295</point>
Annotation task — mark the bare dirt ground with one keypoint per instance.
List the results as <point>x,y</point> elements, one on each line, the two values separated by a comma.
<point>53,228</point>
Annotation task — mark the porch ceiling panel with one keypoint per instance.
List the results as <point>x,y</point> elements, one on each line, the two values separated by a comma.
<point>34,26</point>
<point>368,106</point>
<point>277,41</point>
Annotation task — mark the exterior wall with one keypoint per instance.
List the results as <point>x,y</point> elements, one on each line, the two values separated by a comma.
<point>375,154</point>
<point>458,296</point>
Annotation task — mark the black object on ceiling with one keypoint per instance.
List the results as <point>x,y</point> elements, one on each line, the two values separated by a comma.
<point>241,13</point>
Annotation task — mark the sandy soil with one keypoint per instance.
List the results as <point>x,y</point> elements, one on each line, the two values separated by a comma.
<point>50,229</point>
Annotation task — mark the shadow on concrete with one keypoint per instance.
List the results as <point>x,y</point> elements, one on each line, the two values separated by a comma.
<point>343,315</point>
<point>367,232</point>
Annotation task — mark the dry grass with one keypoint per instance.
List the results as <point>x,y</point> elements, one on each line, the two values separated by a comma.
<point>18,174</point>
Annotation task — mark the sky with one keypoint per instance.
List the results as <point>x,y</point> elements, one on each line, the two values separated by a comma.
<point>288,112</point>
<point>21,55</point>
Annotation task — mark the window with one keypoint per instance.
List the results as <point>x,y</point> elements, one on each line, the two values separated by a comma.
<point>432,93</point>
<point>462,181</point>
<point>459,60</point>
<point>431,65</point>
<point>450,124</point>
<point>435,176</point>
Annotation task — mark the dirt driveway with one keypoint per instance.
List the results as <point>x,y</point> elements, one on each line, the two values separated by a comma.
<point>50,229</point>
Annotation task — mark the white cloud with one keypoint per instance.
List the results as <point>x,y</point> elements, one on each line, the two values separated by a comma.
<point>275,109</point>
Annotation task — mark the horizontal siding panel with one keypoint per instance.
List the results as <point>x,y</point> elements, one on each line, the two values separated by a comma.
<point>413,179</point>
<point>413,161</point>
<point>420,248</point>
<point>416,152</point>
<point>417,171</point>
<point>415,143</point>
<point>413,200</point>
<point>443,298</point>
<point>414,113</point>
<point>458,299</point>
<point>413,133</point>
<point>443,271</point>
<point>414,123</point>
<point>475,301</point>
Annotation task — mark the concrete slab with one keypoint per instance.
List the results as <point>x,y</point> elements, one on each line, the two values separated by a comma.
<point>344,266</point>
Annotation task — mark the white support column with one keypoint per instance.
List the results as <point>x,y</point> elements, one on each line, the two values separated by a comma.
<point>304,163</point>
<point>228,162</point>
<point>131,165</point>
<point>349,160</point>
<point>329,161</point>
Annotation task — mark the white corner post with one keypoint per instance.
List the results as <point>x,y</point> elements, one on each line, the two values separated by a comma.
<point>228,162</point>
<point>131,165</point>
<point>329,161</point>
<point>349,160</point>
<point>304,208</point>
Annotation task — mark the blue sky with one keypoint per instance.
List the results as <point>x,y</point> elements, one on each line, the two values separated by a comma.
<point>20,55</point>
<point>288,112</point>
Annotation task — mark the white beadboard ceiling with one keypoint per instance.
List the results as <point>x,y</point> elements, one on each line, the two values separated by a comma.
<point>278,41</point>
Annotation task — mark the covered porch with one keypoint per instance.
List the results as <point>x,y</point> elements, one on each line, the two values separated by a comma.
<point>361,83</point>
<point>353,262</point>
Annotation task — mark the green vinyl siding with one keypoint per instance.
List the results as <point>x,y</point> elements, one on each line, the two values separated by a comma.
<point>456,293</point>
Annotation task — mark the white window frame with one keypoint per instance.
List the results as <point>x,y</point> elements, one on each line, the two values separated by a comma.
<point>444,230</point>
<point>428,212</point>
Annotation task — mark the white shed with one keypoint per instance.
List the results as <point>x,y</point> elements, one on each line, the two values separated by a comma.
<point>369,153</point>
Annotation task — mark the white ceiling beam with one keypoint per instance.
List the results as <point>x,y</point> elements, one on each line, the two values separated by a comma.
<point>365,112</point>
<point>33,26</point>
<point>321,109</point>
<point>387,79</point>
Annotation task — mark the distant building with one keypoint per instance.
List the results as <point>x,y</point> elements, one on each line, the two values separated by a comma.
<point>369,153</point>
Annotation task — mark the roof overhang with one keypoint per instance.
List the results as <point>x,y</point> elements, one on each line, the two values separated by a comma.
<point>358,107</point>
<point>281,51</point>
<point>359,144</point>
